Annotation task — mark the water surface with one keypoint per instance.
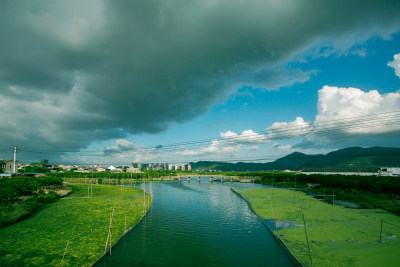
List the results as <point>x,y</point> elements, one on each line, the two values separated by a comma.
<point>197,224</point>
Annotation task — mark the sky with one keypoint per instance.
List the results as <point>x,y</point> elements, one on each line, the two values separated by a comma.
<point>116,82</point>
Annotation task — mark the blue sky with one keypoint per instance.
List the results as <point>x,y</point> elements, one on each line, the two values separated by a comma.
<point>257,108</point>
<point>100,82</point>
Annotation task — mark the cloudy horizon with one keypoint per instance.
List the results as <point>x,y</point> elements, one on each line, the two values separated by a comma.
<point>98,81</point>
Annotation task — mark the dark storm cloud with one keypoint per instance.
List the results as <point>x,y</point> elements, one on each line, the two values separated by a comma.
<point>73,72</point>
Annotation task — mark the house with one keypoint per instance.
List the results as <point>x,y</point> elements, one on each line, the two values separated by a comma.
<point>114,169</point>
<point>133,169</point>
<point>389,171</point>
<point>7,166</point>
<point>82,170</point>
<point>100,169</point>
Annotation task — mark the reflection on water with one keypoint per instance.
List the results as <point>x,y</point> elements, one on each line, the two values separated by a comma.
<point>197,224</point>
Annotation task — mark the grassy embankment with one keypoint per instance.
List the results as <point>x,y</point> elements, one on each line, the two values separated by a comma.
<point>352,238</point>
<point>75,227</point>
<point>20,197</point>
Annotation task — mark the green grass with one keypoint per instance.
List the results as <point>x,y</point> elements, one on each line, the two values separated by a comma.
<point>350,239</point>
<point>77,220</point>
<point>13,212</point>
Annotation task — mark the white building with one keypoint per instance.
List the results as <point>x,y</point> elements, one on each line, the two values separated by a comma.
<point>133,169</point>
<point>100,169</point>
<point>389,171</point>
<point>114,169</point>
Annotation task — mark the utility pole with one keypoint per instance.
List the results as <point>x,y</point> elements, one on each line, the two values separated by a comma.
<point>15,148</point>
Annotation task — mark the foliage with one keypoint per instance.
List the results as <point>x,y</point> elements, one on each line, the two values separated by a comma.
<point>20,197</point>
<point>47,198</point>
<point>13,188</point>
<point>35,168</point>
<point>14,212</point>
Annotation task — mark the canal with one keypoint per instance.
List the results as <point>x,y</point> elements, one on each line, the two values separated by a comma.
<point>197,224</point>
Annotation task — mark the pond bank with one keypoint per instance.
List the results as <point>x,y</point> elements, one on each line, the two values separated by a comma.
<point>337,236</point>
<point>73,231</point>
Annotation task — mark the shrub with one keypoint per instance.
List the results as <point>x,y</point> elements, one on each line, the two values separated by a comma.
<point>47,198</point>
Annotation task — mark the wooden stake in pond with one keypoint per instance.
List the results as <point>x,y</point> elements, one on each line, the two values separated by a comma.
<point>109,232</point>
<point>333,202</point>
<point>305,229</point>
<point>273,212</point>
<point>380,235</point>
<point>65,250</point>
<point>294,192</point>
<point>144,197</point>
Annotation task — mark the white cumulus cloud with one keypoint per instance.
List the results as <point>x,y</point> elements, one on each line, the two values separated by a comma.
<point>395,64</point>
<point>293,129</point>
<point>216,147</point>
<point>344,113</point>
<point>246,137</point>
<point>121,145</point>
<point>353,111</point>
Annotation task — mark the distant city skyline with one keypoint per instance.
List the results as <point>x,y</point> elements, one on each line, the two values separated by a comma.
<point>116,82</point>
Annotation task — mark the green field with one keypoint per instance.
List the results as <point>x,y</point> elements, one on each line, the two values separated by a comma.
<point>80,221</point>
<point>352,238</point>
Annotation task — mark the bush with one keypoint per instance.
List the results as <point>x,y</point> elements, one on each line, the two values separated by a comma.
<point>13,188</point>
<point>47,198</point>
<point>49,180</point>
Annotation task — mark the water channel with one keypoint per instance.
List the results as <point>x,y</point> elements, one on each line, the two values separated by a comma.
<point>197,224</point>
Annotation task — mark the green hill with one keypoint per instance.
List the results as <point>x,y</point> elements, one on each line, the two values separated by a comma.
<point>351,159</point>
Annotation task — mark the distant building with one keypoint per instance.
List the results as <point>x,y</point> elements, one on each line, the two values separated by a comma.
<point>132,169</point>
<point>183,167</point>
<point>389,171</point>
<point>189,167</point>
<point>170,167</point>
<point>100,169</point>
<point>82,170</point>
<point>65,167</point>
<point>7,166</point>
<point>114,169</point>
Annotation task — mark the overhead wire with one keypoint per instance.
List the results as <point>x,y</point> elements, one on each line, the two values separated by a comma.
<point>279,131</point>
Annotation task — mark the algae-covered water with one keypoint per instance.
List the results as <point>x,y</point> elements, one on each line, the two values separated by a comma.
<point>197,224</point>
<point>338,236</point>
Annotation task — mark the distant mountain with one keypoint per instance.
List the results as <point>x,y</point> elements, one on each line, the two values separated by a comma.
<point>347,159</point>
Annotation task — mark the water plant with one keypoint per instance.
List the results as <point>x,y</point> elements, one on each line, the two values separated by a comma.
<point>338,236</point>
<point>79,220</point>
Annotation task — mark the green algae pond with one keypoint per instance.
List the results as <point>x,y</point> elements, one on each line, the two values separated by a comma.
<point>321,233</point>
<point>72,231</point>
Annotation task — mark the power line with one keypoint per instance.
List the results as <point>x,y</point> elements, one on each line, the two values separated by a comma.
<point>339,126</point>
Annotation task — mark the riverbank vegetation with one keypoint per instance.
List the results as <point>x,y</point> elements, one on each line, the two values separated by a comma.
<point>22,196</point>
<point>368,191</point>
<point>73,231</point>
<point>320,233</point>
